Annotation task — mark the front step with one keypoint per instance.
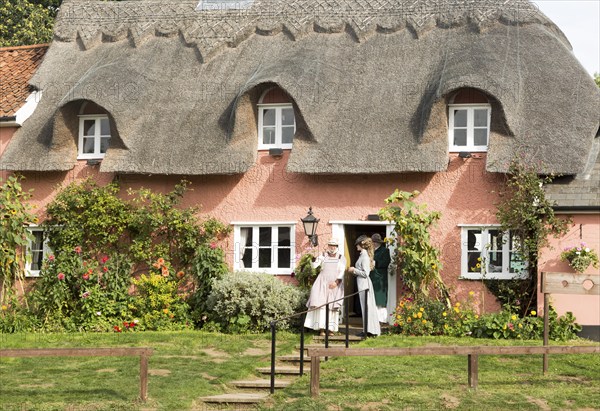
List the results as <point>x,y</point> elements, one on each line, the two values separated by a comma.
<point>260,383</point>
<point>293,358</point>
<point>341,338</point>
<point>236,398</point>
<point>281,370</point>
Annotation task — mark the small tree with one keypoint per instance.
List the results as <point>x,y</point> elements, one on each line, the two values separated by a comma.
<point>16,215</point>
<point>528,215</point>
<point>417,258</point>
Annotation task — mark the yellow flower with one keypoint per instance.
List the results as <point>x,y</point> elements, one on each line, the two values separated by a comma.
<point>424,321</point>
<point>456,309</point>
<point>409,320</point>
<point>514,317</point>
<point>457,304</point>
<point>445,325</point>
<point>4,307</point>
<point>504,328</point>
<point>421,309</point>
<point>476,317</point>
<point>419,315</point>
<point>166,311</point>
<point>478,265</point>
<point>444,313</point>
<point>533,312</point>
<point>478,258</point>
<point>520,325</point>
<point>471,293</point>
<point>415,315</point>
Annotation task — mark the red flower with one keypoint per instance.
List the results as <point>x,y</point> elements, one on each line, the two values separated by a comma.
<point>105,269</point>
<point>86,276</point>
<point>104,259</point>
<point>213,245</point>
<point>125,324</point>
<point>131,324</point>
<point>60,276</point>
<point>117,328</point>
<point>165,271</point>
<point>51,257</point>
<point>78,249</point>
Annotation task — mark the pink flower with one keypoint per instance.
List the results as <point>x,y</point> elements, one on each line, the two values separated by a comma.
<point>51,257</point>
<point>60,276</point>
<point>213,245</point>
<point>86,276</point>
<point>104,259</point>
<point>77,249</point>
<point>85,295</point>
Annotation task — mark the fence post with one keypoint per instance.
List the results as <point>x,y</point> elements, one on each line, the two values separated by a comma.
<point>273,345</point>
<point>314,374</point>
<point>302,344</point>
<point>546,331</point>
<point>144,376</point>
<point>473,370</point>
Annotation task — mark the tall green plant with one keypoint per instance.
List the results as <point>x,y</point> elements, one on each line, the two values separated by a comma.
<point>529,216</point>
<point>418,259</point>
<point>16,216</point>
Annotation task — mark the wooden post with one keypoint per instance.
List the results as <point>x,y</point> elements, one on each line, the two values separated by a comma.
<point>473,370</point>
<point>546,330</point>
<point>144,376</point>
<point>315,362</point>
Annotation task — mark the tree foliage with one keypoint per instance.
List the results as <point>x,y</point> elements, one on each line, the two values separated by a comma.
<point>25,22</point>
<point>597,79</point>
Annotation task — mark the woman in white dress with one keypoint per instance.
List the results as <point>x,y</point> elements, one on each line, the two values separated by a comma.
<point>328,287</point>
<point>361,270</point>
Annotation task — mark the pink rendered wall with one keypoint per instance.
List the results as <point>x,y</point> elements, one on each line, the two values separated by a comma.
<point>464,193</point>
<point>586,308</point>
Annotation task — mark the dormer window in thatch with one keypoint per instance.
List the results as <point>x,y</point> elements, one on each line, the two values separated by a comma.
<point>94,132</point>
<point>469,121</point>
<point>276,120</point>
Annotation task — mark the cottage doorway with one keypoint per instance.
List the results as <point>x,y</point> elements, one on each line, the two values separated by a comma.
<point>347,232</point>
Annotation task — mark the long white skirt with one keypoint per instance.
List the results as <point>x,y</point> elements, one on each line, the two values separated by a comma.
<point>315,320</point>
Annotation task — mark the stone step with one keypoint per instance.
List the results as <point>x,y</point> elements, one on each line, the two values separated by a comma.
<point>282,370</point>
<point>336,338</point>
<point>279,383</point>
<point>293,358</point>
<point>236,398</point>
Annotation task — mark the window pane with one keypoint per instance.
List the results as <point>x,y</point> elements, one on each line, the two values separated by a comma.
<point>460,137</point>
<point>287,116</point>
<point>269,117</point>
<point>284,257</point>
<point>269,135</point>
<point>287,135</point>
<point>480,136</point>
<point>247,258</point>
<point>264,258</point>
<point>88,145</point>
<point>104,127</point>
<point>474,261</point>
<point>481,118</point>
<point>460,118</point>
<point>284,236</point>
<point>36,260</point>
<point>89,127</point>
<point>246,232</point>
<point>104,142</point>
<point>264,235</point>
<point>474,240</point>
<point>494,249</point>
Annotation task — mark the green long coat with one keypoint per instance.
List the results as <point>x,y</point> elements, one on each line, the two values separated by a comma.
<point>379,275</point>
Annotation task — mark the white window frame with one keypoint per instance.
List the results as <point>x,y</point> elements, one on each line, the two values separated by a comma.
<point>470,127</point>
<point>466,271</point>
<point>29,271</point>
<point>278,126</point>
<point>273,269</point>
<point>97,136</point>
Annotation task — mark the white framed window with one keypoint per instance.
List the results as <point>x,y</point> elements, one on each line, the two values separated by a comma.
<point>469,127</point>
<point>94,136</point>
<point>490,253</point>
<point>264,247</point>
<point>276,120</point>
<point>37,251</point>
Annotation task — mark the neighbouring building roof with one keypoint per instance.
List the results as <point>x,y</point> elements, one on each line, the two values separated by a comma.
<point>369,79</point>
<point>17,65</point>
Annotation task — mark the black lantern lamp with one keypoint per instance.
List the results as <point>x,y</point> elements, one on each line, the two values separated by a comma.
<point>310,223</point>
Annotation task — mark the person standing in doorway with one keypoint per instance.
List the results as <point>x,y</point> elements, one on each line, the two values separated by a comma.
<point>329,286</point>
<point>361,270</point>
<point>379,276</point>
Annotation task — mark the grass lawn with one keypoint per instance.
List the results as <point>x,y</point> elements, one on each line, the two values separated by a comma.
<point>191,364</point>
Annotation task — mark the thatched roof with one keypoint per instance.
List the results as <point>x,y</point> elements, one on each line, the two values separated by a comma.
<point>370,81</point>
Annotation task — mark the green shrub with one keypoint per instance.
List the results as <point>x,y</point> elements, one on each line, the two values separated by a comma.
<point>157,304</point>
<point>16,318</point>
<point>305,273</point>
<point>244,301</point>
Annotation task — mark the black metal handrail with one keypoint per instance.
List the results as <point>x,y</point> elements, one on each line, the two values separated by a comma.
<point>303,313</point>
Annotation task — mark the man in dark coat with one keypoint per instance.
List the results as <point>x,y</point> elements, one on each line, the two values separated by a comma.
<point>379,276</point>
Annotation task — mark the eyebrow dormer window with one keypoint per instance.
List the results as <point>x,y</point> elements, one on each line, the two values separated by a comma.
<point>469,121</point>
<point>94,132</point>
<point>276,120</point>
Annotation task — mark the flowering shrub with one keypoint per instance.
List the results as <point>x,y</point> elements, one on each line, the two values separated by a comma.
<point>431,317</point>
<point>244,301</point>
<point>580,257</point>
<point>74,293</point>
<point>157,303</point>
<point>304,271</point>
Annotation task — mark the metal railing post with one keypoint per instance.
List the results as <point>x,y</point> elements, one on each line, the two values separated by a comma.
<point>302,345</point>
<point>327,325</point>
<point>273,345</point>
<point>347,325</point>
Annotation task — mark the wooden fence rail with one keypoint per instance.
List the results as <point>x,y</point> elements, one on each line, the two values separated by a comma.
<point>143,352</point>
<point>472,354</point>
